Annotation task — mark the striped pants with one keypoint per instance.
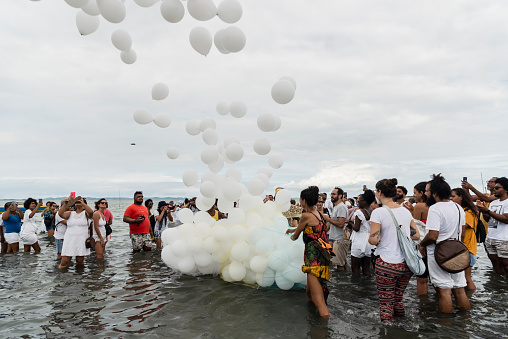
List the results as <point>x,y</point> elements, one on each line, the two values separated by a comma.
<point>392,280</point>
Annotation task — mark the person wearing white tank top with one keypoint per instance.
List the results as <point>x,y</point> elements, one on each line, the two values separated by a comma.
<point>99,228</point>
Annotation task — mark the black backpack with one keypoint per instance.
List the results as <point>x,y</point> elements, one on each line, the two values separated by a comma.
<point>480,232</point>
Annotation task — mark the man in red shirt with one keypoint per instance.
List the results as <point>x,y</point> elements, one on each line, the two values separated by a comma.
<point>136,215</point>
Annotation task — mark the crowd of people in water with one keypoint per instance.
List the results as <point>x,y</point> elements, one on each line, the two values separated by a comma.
<point>361,228</point>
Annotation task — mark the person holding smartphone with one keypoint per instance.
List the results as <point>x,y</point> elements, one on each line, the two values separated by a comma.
<point>29,229</point>
<point>136,215</point>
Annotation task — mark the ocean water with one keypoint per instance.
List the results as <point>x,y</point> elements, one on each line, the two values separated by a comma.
<point>135,295</point>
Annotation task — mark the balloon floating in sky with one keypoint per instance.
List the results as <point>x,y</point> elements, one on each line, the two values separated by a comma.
<point>87,24</point>
<point>142,116</point>
<point>201,10</point>
<point>172,153</point>
<point>283,91</point>
<point>121,40</point>
<point>172,10</point>
<point>162,120</point>
<point>112,10</point>
<point>128,57</point>
<point>201,40</point>
<point>160,91</point>
<point>229,11</point>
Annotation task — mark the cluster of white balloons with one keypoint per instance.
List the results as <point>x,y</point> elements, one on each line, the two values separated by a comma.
<point>142,116</point>
<point>249,246</point>
<point>227,40</point>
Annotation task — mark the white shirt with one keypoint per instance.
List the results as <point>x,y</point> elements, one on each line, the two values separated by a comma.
<point>29,225</point>
<point>447,218</point>
<point>388,247</point>
<point>338,211</point>
<point>59,227</point>
<point>497,229</point>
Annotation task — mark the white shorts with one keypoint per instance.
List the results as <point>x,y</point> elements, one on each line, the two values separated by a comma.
<point>442,279</point>
<point>29,239</point>
<point>11,238</point>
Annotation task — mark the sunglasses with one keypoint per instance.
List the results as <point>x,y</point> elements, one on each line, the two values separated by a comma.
<point>497,187</point>
<point>103,202</point>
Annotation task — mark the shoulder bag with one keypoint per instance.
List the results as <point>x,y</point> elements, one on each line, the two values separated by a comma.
<point>90,241</point>
<point>321,245</point>
<point>409,248</point>
<point>451,254</point>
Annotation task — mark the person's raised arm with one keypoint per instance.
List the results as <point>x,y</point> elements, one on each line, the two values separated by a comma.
<point>467,186</point>
<point>63,212</point>
<point>39,204</point>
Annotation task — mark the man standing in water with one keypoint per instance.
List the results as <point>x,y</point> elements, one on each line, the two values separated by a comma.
<point>337,220</point>
<point>445,220</point>
<point>136,215</point>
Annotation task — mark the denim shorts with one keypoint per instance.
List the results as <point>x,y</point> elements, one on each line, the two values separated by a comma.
<point>473,259</point>
<point>59,245</point>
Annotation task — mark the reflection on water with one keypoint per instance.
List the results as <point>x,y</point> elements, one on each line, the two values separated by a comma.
<point>127,295</point>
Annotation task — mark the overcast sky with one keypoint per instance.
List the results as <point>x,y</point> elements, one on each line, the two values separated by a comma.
<point>384,89</point>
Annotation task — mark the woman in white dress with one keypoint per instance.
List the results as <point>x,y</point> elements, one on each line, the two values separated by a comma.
<point>99,227</point>
<point>360,247</point>
<point>29,228</point>
<point>77,231</point>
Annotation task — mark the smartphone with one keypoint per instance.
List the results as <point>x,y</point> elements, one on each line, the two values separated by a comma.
<point>464,179</point>
<point>142,216</point>
<point>40,201</point>
<point>73,194</point>
<point>364,186</point>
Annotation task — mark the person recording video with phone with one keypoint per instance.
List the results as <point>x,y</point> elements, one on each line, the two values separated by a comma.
<point>136,215</point>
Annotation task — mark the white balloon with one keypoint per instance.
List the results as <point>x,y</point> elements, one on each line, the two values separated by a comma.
<point>203,229</point>
<point>201,10</point>
<point>230,140</point>
<point>160,91</point>
<point>201,40</point>
<point>203,216</point>
<point>233,39</point>
<point>180,248</point>
<point>236,216</point>
<point>266,122</point>
<point>290,79</point>
<point>190,177</point>
<point>259,263</point>
<point>145,3</point>
<point>172,10</point>
<point>237,271</point>
<point>187,265</point>
<point>86,24</point>
<point>209,176</point>
<point>230,11</point>
<point>208,189</point>
<point>234,173</point>
<point>238,109</point>
<point>232,190</point>
<point>203,259</point>
<point>282,197</point>
<point>283,91</point>
<point>91,8</point>
<point>222,108</point>
<point>162,120</point>
<point>225,205</point>
<point>169,258</point>
<point>255,186</point>
<point>234,152</point>
<point>210,136</point>
<point>283,283</point>
<point>207,123</point>
<point>217,40</point>
<point>76,3</point>
<point>266,279</point>
<point>266,171</point>
<point>240,251</point>
<point>203,203</point>
<point>262,146</point>
<point>216,166</point>
<point>169,236</point>
<point>185,215</point>
<point>172,153</point>
<point>121,40</point>
<point>220,233</point>
<point>278,260</point>
<point>275,161</point>
<point>128,57</point>
<point>209,154</point>
<point>264,179</point>
<point>112,10</point>
<point>142,116</point>
<point>192,127</point>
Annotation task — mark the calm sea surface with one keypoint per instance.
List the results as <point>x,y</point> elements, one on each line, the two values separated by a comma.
<point>135,295</point>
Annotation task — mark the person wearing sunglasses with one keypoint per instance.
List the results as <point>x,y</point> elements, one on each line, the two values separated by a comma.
<point>99,227</point>
<point>496,215</point>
